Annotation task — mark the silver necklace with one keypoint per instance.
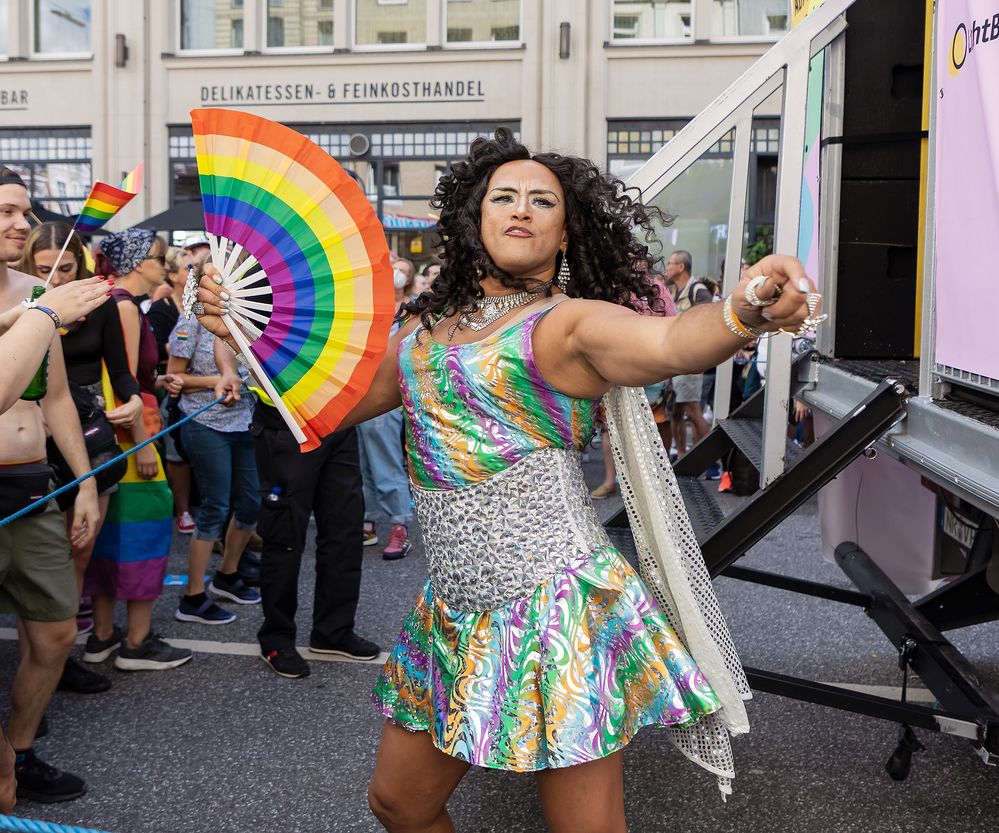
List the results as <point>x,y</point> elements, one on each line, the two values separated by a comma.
<point>492,308</point>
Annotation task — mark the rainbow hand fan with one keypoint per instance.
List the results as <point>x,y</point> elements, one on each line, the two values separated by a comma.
<point>304,259</point>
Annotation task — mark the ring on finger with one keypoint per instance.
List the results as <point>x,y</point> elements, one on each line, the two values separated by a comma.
<point>198,308</point>
<point>750,292</point>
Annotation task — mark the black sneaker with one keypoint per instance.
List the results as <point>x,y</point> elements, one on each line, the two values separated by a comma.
<point>154,654</point>
<point>98,650</point>
<point>37,781</point>
<point>353,647</point>
<point>207,613</point>
<point>286,662</point>
<point>81,680</point>
<point>233,591</point>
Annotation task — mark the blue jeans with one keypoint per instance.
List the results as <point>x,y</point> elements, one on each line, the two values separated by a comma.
<point>224,465</point>
<point>386,484</point>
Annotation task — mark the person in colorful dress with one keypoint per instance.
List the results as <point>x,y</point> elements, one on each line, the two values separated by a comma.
<point>534,646</point>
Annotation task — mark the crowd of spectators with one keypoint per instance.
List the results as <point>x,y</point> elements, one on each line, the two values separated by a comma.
<point>117,360</point>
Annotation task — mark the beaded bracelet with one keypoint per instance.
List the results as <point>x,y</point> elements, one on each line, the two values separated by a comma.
<point>735,325</point>
<point>51,313</point>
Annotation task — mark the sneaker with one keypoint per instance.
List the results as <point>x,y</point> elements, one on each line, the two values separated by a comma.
<point>286,662</point>
<point>603,491</point>
<point>207,613</point>
<point>86,606</point>
<point>84,625</point>
<point>353,647</point>
<point>185,523</point>
<point>98,650</point>
<point>713,473</point>
<point>234,591</point>
<point>38,781</point>
<point>154,654</point>
<point>81,680</point>
<point>398,545</point>
<point>370,536</point>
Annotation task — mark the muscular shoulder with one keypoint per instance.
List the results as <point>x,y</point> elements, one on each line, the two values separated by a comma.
<point>571,315</point>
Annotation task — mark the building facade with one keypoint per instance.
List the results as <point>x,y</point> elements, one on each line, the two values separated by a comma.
<point>394,89</point>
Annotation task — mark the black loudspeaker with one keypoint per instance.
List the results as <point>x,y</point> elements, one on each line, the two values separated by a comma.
<point>879,206</point>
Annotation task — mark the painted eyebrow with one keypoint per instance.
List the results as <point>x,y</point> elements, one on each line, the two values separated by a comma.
<point>535,191</point>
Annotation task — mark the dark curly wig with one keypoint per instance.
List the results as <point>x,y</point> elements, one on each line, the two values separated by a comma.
<point>607,261</point>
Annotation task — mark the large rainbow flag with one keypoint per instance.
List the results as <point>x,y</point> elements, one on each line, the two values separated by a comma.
<point>104,201</point>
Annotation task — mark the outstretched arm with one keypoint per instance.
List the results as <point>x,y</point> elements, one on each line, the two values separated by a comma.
<point>596,344</point>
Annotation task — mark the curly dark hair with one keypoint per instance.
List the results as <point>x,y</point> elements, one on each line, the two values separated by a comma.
<point>607,260</point>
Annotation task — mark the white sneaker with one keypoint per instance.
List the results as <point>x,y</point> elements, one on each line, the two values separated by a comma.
<point>185,523</point>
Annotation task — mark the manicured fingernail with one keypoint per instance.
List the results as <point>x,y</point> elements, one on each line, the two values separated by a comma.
<point>767,315</point>
<point>102,277</point>
<point>224,296</point>
<point>217,279</point>
<point>110,283</point>
<point>803,285</point>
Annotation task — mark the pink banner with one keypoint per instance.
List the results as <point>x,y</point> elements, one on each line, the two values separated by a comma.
<point>967,185</point>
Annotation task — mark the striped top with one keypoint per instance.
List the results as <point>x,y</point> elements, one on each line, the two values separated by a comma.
<point>473,410</point>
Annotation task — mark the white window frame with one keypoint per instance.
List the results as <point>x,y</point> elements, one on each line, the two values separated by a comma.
<point>767,38</point>
<point>653,41</point>
<point>55,56</point>
<point>294,50</point>
<point>388,47</point>
<point>488,44</point>
<point>178,25</point>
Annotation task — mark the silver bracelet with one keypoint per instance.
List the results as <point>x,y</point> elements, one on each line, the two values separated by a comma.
<point>240,358</point>
<point>736,326</point>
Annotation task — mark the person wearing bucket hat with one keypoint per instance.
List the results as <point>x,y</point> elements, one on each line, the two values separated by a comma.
<point>130,556</point>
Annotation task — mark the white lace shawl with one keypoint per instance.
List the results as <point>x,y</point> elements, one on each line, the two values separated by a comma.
<point>672,567</point>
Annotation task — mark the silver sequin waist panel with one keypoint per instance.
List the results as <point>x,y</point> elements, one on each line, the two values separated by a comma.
<point>498,540</point>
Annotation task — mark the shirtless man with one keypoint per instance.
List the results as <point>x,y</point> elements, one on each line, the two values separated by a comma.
<point>37,580</point>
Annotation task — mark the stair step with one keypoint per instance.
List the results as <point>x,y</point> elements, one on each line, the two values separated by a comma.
<point>702,508</point>
<point>747,434</point>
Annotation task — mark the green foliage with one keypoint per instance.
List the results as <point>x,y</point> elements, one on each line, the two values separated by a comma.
<point>762,246</point>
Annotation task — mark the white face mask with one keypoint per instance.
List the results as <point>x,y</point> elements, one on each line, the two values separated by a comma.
<point>399,279</point>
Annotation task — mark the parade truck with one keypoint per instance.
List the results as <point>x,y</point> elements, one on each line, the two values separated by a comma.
<point>887,189</point>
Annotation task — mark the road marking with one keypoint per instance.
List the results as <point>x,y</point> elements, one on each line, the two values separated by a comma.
<point>232,649</point>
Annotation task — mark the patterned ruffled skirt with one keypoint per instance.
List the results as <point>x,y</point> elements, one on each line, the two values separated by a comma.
<point>562,676</point>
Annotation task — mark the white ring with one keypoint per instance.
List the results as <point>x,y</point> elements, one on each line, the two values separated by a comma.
<point>750,292</point>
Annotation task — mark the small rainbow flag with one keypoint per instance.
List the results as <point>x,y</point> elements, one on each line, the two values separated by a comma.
<point>104,201</point>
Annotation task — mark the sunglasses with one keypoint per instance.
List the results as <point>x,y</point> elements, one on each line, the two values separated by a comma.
<point>160,259</point>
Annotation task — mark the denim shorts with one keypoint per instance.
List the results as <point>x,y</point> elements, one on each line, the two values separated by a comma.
<point>224,464</point>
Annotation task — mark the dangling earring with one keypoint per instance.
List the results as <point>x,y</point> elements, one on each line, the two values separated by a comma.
<point>563,273</point>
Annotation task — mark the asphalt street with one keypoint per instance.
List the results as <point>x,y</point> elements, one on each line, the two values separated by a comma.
<point>223,745</point>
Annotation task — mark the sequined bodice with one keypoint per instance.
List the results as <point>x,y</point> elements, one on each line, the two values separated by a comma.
<point>473,410</point>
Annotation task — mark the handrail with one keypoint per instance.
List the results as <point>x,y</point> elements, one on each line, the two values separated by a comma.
<point>786,65</point>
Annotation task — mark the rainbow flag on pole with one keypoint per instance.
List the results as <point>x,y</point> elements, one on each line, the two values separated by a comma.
<point>104,201</point>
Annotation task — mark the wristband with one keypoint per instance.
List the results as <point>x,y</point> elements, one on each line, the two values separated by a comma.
<point>51,313</point>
